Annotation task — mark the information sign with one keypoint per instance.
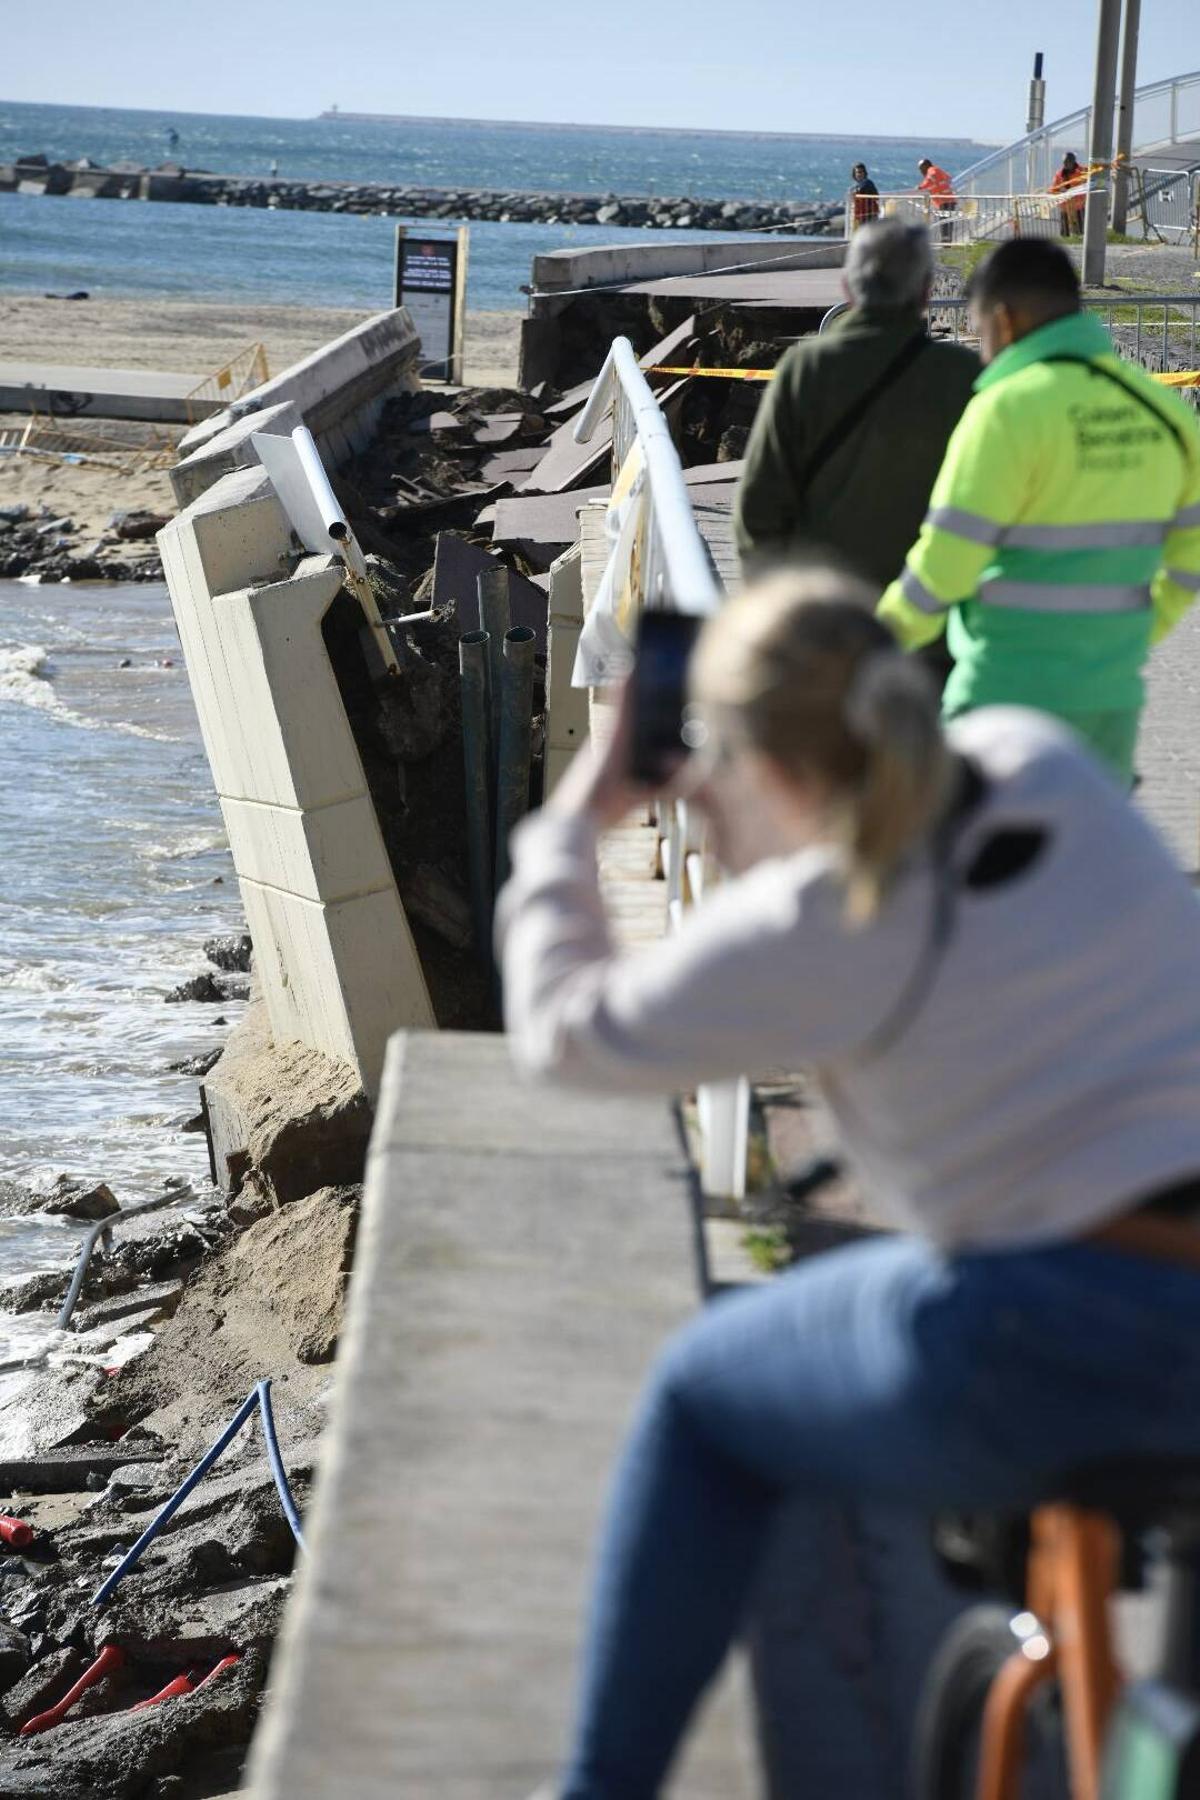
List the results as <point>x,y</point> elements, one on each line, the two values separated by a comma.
<point>431,281</point>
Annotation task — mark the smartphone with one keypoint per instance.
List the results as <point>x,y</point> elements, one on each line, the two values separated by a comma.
<point>664,647</point>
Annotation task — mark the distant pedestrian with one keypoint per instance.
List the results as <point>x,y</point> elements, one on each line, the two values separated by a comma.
<point>274,168</point>
<point>940,190</point>
<point>1063,534</point>
<point>851,432</point>
<point>1070,211</point>
<point>866,196</point>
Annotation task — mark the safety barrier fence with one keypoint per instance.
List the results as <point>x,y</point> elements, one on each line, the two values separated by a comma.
<point>660,562</point>
<point>1166,202</point>
<point>974,218</point>
<point>42,436</point>
<point>239,376</point>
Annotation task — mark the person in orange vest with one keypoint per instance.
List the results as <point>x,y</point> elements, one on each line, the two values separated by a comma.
<point>937,184</point>
<point>1070,212</point>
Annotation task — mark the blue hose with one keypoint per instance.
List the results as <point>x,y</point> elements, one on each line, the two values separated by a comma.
<point>177,1498</point>
<point>263,1393</point>
<point>260,1398</point>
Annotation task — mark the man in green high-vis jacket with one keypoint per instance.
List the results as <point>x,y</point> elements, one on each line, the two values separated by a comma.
<point>1063,532</point>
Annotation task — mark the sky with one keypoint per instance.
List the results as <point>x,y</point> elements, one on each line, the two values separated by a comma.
<point>884,67</point>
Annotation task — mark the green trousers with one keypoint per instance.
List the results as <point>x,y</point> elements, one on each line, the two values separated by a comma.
<point>1112,736</point>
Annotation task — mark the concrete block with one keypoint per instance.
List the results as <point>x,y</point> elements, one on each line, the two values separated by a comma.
<point>333,950</point>
<point>228,450</point>
<point>339,382</point>
<point>566,706</point>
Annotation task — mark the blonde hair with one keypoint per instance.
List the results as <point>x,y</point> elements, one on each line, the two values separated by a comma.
<point>798,668</point>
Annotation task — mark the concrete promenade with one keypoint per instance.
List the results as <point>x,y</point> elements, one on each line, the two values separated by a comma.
<point>69,392</point>
<point>521,1257</point>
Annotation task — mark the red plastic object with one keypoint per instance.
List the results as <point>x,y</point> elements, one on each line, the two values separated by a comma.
<point>15,1531</point>
<point>226,1662</point>
<point>182,1684</point>
<point>111,1657</point>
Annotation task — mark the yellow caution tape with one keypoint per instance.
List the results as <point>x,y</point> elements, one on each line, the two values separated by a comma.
<point>719,374</point>
<point>1184,378</point>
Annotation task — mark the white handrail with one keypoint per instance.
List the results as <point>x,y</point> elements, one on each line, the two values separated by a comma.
<point>693,585</point>
<point>1023,152</point>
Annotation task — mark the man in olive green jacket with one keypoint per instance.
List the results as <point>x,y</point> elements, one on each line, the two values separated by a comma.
<point>852,430</point>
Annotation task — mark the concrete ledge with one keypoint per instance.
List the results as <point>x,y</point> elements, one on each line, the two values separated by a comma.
<point>229,450</point>
<point>338,391</point>
<point>520,1259</point>
<point>561,270</point>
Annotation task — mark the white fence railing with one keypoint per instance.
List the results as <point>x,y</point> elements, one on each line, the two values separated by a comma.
<point>1166,115</point>
<point>659,562</point>
<point>978,218</point>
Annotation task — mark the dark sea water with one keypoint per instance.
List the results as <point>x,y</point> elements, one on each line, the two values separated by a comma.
<point>116,248</point>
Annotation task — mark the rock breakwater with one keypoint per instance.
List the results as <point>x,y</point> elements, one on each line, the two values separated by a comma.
<point>128,181</point>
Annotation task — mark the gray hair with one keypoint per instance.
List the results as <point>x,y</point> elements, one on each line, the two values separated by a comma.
<point>889,264</point>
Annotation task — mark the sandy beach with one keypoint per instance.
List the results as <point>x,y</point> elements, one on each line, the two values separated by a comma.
<point>189,337</point>
<point>199,336</point>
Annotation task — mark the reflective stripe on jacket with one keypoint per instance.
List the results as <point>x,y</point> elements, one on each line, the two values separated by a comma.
<point>1063,529</point>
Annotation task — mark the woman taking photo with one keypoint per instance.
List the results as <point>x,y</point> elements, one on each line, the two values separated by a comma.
<point>993,968</point>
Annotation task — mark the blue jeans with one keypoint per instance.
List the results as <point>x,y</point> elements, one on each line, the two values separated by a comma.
<point>885,1371</point>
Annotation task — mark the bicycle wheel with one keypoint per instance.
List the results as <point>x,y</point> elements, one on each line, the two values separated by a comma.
<point>946,1737</point>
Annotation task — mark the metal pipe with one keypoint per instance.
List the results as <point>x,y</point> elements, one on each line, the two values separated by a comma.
<point>177,1498</point>
<point>516,731</point>
<point>1129,57</point>
<point>1100,145</point>
<point>495,617</point>
<point>267,1416</point>
<point>473,651</point>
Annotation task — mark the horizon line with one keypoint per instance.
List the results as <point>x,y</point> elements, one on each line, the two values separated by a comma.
<point>836,137</point>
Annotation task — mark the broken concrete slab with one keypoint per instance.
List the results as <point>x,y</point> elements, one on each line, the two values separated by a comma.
<point>160,1297</point>
<point>712,474</point>
<point>67,1471</point>
<point>458,564</point>
<point>242,1616</point>
<point>507,465</point>
<point>542,526</point>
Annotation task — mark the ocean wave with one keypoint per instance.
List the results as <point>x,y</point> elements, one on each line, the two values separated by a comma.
<point>25,676</point>
<point>26,679</point>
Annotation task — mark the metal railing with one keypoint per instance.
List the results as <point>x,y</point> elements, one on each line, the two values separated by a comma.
<point>1165,114</point>
<point>660,562</point>
<point>976,218</point>
<point>239,376</point>
<point>1159,331</point>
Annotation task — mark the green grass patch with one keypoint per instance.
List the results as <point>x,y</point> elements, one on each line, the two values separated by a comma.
<point>768,1248</point>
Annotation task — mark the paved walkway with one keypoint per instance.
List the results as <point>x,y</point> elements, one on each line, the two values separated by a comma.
<point>67,391</point>
<point>521,1257</point>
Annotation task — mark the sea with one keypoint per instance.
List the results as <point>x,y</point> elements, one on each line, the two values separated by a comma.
<point>113,871</point>
<point>120,249</point>
<point>113,865</point>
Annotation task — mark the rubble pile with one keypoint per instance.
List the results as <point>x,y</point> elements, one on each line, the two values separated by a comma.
<point>129,181</point>
<point>37,542</point>
<point>218,1296</point>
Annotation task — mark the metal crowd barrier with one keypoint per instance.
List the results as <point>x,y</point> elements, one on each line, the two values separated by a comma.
<point>662,562</point>
<point>974,218</point>
<point>1168,203</point>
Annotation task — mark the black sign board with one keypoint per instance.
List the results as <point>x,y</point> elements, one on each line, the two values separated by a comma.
<point>431,281</point>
